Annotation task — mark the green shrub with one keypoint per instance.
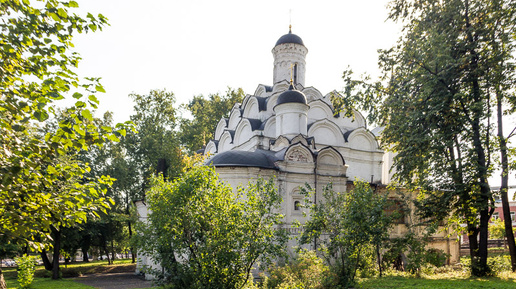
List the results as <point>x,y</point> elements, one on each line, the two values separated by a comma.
<point>496,264</point>
<point>306,271</point>
<point>436,257</point>
<point>26,269</point>
<point>409,253</point>
<point>499,263</point>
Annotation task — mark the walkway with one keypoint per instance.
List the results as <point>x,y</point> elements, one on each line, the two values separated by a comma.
<point>114,281</point>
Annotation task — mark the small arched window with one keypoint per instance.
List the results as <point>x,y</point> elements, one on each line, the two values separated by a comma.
<point>297,205</point>
<point>295,73</point>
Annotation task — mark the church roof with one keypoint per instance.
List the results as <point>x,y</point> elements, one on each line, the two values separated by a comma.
<point>290,38</point>
<point>291,96</point>
<point>235,158</point>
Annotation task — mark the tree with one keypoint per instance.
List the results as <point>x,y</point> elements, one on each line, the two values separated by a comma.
<point>215,235</point>
<point>154,146</point>
<point>206,113</point>
<point>435,100</point>
<point>501,79</point>
<point>37,71</point>
<point>103,229</point>
<point>154,140</point>
<point>497,229</point>
<point>345,226</point>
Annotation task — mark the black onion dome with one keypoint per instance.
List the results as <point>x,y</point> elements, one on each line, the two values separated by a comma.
<point>291,96</point>
<point>234,158</point>
<point>290,38</point>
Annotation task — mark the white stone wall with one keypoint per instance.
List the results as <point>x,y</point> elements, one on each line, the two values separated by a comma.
<point>291,119</point>
<point>143,261</point>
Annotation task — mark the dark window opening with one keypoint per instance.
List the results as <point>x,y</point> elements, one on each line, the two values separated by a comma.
<point>295,73</point>
<point>297,205</point>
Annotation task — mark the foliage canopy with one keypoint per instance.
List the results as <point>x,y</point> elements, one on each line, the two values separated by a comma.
<point>436,99</point>
<point>36,72</point>
<point>345,226</point>
<point>205,235</point>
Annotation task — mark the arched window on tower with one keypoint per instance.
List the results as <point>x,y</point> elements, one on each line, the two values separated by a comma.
<point>297,205</point>
<point>295,73</point>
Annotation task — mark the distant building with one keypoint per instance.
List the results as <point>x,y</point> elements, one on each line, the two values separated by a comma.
<point>498,212</point>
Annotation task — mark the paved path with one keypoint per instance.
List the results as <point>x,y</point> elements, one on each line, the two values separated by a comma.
<point>114,281</point>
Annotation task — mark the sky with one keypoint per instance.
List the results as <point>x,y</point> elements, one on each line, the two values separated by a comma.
<point>203,47</point>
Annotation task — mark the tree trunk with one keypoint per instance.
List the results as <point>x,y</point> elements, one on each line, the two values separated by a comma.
<point>379,259</point>
<point>483,268</point>
<point>133,252</point>
<point>85,247</point>
<point>2,281</point>
<point>509,234</point>
<point>57,248</point>
<point>46,261</point>
<point>112,251</point>
<point>106,251</point>
<point>473,242</point>
<point>85,256</point>
<point>480,267</point>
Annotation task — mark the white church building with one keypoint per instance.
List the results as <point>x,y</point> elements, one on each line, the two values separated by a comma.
<point>292,132</point>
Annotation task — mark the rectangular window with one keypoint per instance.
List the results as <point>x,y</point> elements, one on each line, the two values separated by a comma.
<point>495,216</point>
<point>397,210</point>
<point>512,216</point>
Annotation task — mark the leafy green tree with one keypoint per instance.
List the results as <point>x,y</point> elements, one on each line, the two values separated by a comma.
<point>345,226</point>
<point>155,139</point>
<point>497,229</point>
<point>153,146</point>
<point>83,171</point>
<point>206,112</point>
<point>105,228</point>
<point>205,235</point>
<point>502,78</point>
<point>435,99</point>
<point>68,209</point>
<point>37,70</point>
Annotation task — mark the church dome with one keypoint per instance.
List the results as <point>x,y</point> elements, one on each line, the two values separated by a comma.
<point>291,96</point>
<point>290,38</point>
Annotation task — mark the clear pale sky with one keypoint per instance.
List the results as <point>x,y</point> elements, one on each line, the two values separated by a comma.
<point>201,47</point>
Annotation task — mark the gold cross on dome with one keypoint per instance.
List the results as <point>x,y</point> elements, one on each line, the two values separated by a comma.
<point>292,74</point>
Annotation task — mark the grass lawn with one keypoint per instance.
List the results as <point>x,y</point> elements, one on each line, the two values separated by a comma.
<point>452,279</point>
<point>47,283</point>
<point>79,268</point>
<point>444,281</point>
<point>71,270</point>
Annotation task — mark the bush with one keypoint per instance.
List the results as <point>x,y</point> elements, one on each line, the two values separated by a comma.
<point>347,225</point>
<point>215,236</point>
<point>409,253</point>
<point>26,269</point>
<point>306,271</point>
<point>496,264</point>
<point>436,257</point>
